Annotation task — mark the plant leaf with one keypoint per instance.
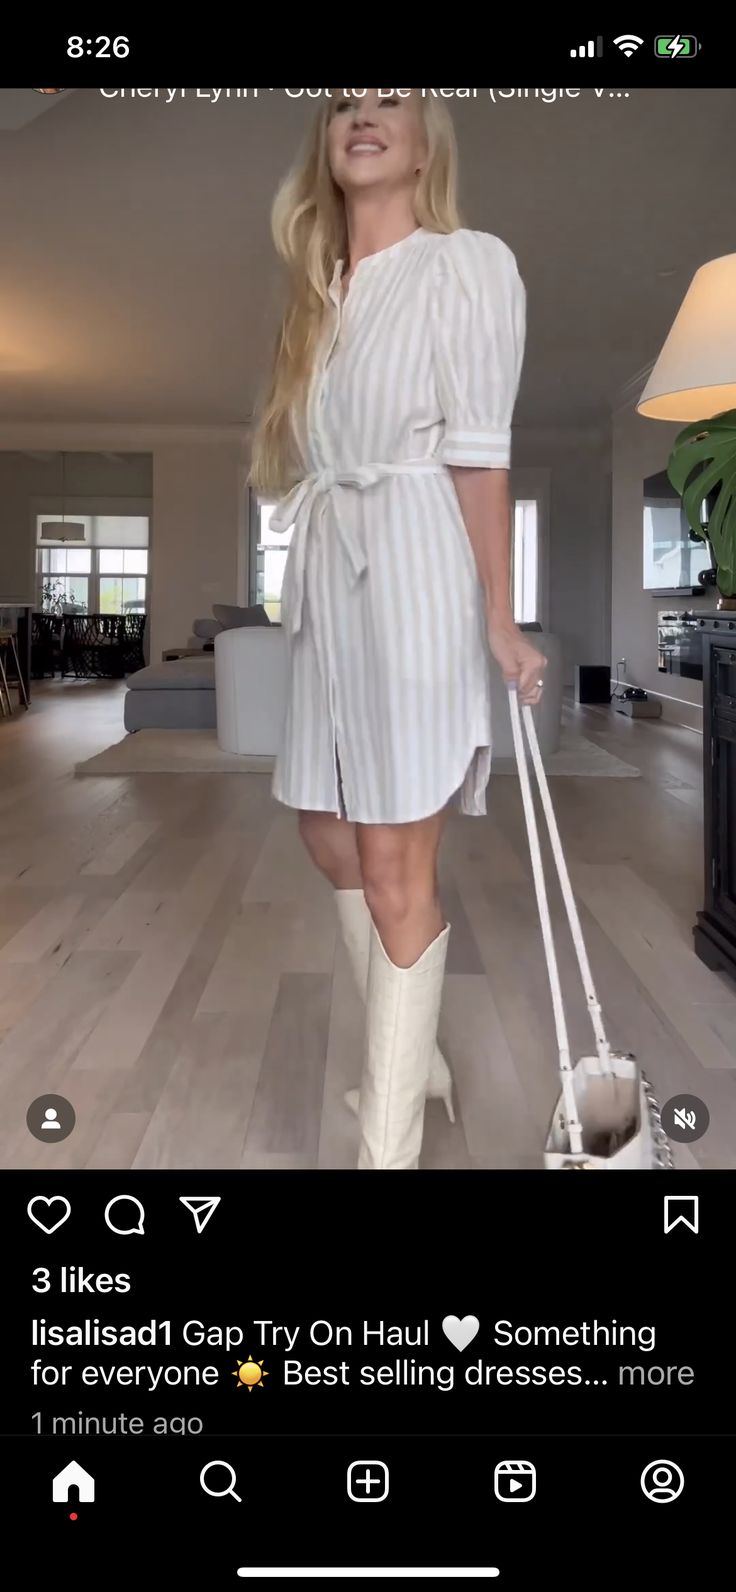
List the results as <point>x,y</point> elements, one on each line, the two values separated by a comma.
<point>703,461</point>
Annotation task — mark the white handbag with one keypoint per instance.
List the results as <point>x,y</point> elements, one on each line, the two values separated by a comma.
<point>606,1116</point>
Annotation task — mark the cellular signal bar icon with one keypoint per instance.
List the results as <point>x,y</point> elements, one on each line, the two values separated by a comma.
<point>583,51</point>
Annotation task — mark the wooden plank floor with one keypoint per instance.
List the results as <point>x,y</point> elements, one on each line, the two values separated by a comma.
<point>169,961</point>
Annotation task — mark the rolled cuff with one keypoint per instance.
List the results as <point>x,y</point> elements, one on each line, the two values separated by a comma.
<point>484,450</point>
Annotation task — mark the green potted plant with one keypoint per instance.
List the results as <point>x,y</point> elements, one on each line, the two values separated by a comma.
<point>54,596</point>
<point>702,468</point>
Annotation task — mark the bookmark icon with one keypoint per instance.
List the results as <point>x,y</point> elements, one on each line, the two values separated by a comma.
<point>681,1209</point>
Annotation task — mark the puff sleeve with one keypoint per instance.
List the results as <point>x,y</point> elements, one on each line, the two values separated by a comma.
<point>479,308</point>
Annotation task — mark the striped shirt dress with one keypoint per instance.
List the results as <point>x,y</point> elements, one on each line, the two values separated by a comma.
<point>389,714</point>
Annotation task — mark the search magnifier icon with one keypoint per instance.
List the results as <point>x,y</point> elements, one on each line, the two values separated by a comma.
<point>222,1492</point>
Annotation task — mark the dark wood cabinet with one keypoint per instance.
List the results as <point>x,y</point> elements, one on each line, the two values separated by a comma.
<point>715,929</point>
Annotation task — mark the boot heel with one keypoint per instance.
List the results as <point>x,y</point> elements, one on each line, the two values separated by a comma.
<point>446,1098</point>
<point>352,1101</point>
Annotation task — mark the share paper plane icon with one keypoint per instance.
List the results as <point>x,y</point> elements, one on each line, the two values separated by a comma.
<point>201,1208</point>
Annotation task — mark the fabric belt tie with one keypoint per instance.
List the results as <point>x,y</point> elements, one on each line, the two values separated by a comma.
<point>307,504</point>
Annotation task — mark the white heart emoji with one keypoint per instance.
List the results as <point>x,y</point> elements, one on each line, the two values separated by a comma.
<point>461,1333</point>
<point>56,1199</point>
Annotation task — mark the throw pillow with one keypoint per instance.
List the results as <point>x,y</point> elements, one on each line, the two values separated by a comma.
<point>206,629</point>
<point>232,618</point>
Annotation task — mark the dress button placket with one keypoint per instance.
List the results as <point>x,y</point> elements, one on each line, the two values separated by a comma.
<point>322,385</point>
<point>322,452</point>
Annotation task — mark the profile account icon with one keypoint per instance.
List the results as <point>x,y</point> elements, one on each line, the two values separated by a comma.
<point>662,1481</point>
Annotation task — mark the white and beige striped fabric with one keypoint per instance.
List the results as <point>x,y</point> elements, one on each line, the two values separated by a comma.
<point>389,703</point>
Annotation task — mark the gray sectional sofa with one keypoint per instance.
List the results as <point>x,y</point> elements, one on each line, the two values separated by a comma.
<point>179,695</point>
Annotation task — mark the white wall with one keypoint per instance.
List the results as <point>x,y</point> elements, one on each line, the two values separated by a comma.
<point>199,495</point>
<point>579,543</point>
<point>17,554</point>
<point>198,531</point>
<point>641,448</point>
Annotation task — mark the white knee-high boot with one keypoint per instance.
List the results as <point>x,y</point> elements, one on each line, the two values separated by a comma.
<point>402,1011</point>
<point>355,926</point>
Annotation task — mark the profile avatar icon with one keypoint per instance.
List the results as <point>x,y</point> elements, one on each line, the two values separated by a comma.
<point>662,1481</point>
<point>50,1117</point>
<point>49,91</point>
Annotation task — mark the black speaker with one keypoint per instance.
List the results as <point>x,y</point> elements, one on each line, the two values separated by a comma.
<point>592,682</point>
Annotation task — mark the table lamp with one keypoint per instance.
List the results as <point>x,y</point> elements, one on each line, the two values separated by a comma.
<point>694,379</point>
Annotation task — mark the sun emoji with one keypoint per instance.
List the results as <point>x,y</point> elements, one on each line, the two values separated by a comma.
<point>250,1373</point>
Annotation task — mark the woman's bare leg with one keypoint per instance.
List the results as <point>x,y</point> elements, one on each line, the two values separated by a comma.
<point>331,844</point>
<point>399,873</point>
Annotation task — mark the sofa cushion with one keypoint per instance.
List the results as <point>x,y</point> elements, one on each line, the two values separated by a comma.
<point>181,674</point>
<point>206,629</point>
<point>233,618</point>
<point>170,710</point>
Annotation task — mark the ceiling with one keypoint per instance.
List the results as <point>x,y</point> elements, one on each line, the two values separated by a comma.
<point>137,279</point>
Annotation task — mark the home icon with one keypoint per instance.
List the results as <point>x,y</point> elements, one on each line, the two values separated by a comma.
<point>73,1476</point>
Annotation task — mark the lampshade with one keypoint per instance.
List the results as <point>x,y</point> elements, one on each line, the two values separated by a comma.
<point>63,531</point>
<point>695,375</point>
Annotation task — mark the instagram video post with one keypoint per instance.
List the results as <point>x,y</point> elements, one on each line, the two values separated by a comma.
<point>368,804</point>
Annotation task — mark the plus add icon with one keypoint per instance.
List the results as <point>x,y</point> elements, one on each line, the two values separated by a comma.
<point>368,1481</point>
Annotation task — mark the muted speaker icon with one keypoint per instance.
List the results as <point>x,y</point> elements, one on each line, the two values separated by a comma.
<point>685,1118</point>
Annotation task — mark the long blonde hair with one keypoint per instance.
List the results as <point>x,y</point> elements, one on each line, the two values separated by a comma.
<point>310,234</point>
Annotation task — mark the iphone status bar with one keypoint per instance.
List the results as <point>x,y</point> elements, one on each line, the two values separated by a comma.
<point>609,59</point>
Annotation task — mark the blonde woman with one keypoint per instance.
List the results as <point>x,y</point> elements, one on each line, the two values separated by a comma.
<point>388,427</point>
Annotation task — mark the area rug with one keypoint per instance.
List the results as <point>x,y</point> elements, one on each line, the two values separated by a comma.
<point>578,756</point>
<point>197,752</point>
<point>172,752</point>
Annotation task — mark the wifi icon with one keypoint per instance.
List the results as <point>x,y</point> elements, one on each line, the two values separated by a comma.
<point>628,43</point>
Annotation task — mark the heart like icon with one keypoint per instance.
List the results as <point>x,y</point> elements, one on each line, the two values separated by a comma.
<point>461,1333</point>
<point>48,1226</point>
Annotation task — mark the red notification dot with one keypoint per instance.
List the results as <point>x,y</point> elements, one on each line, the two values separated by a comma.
<point>73,1517</point>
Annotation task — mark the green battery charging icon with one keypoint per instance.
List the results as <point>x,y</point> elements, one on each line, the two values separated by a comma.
<point>675,45</point>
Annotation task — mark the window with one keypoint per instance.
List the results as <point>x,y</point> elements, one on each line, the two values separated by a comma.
<point>64,575</point>
<point>268,560</point>
<point>525,561</point>
<point>108,575</point>
<point>122,579</point>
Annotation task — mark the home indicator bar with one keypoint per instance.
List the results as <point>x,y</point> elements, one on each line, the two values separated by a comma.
<point>366,1573</point>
